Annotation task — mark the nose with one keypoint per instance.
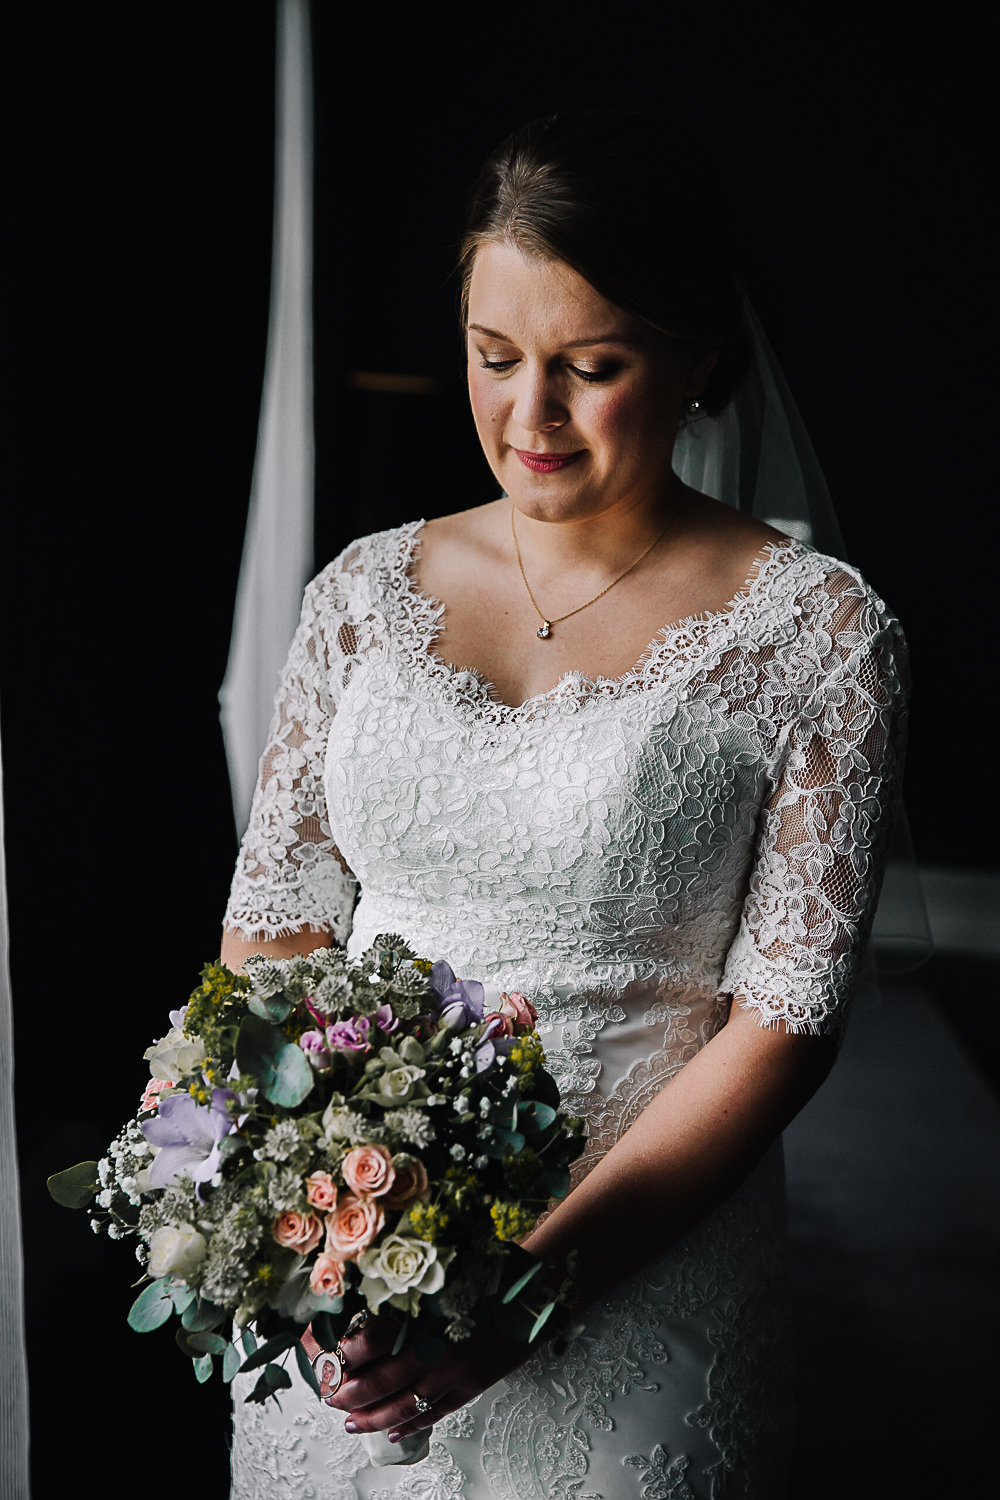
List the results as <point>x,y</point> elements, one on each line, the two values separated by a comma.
<point>537,405</point>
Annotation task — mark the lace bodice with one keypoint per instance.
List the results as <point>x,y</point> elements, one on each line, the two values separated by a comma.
<point>716,819</point>
<point>630,853</point>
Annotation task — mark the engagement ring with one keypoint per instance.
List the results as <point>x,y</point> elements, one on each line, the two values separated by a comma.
<point>422,1405</point>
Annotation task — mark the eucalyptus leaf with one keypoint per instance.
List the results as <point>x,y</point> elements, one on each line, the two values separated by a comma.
<point>540,1322</point>
<point>249,1341</point>
<point>274,1008</point>
<point>181,1295</point>
<point>305,1369</point>
<point>207,1343</point>
<point>280,1067</point>
<point>555,1183</point>
<point>230,1362</point>
<point>268,1350</point>
<point>522,1281</point>
<point>533,1116</point>
<point>274,1378</point>
<point>203,1369</point>
<point>152,1307</point>
<point>75,1187</point>
<point>200,1315</point>
<point>401,1336</point>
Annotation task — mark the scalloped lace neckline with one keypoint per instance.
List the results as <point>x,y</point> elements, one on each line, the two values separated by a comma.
<point>677,640</point>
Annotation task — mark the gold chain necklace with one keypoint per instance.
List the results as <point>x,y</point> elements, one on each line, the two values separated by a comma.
<point>545,629</point>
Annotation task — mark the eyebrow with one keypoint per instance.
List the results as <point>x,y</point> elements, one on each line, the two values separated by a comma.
<point>604,338</point>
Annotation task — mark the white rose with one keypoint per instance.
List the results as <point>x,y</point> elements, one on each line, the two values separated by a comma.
<point>175,1055</point>
<point>396,1086</point>
<point>176,1251</point>
<point>402,1269</point>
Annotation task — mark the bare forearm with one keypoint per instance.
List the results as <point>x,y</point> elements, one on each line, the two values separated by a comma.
<point>236,950</point>
<point>688,1151</point>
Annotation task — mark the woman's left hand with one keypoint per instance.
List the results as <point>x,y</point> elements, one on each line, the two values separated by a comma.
<point>380,1389</point>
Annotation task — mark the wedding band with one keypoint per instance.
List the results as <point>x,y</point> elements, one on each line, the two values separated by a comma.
<point>422,1406</point>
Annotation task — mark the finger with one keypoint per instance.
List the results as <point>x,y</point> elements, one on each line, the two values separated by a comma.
<point>378,1381</point>
<point>394,1415</point>
<point>451,1401</point>
<point>372,1342</point>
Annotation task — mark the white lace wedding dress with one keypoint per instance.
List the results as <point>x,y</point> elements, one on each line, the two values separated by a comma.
<point>629,853</point>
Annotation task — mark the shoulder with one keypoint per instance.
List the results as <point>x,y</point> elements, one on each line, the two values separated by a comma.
<point>363,573</point>
<point>825,612</point>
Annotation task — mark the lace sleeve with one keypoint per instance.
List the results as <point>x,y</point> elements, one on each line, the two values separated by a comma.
<point>825,827</point>
<point>289,875</point>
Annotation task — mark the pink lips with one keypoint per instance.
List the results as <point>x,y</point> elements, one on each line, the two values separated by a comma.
<point>547,463</point>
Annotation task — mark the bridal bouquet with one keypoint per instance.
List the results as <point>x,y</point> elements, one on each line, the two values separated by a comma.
<point>326,1136</point>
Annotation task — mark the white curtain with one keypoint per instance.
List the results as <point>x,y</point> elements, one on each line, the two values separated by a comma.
<point>277,552</point>
<point>13,1365</point>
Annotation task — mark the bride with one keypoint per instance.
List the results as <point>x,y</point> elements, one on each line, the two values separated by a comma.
<point>617,745</point>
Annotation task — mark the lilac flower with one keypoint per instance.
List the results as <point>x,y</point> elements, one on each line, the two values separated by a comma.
<point>385,1020</point>
<point>189,1135</point>
<point>460,1000</point>
<point>350,1036</point>
<point>313,1044</point>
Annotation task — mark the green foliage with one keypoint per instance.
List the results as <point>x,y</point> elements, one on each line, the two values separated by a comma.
<point>327,1330</point>
<point>75,1187</point>
<point>305,1368</point>
<point>271,1347</point>
<point>152,1307</point>
<point>214,1008</point>
<point>230,1362</point>
<point>279,1066</point>
<point>272,1380</point>
<point>203,1369</point>
<point>199,1315</point>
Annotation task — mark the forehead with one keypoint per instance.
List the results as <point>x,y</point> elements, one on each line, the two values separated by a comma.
<point>545,301</point>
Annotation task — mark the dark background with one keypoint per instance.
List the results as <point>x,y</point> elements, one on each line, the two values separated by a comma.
<point>137,185</point>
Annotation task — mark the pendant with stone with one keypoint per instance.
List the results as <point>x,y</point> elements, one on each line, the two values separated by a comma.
<point>544,631</point>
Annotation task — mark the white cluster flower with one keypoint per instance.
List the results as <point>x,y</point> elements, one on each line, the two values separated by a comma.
<point>458,1152</point>
<point>284,1193</point>
<point>411,1124</point>
<point>282,1143</point>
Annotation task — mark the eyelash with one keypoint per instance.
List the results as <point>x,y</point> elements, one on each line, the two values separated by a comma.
<point>591,377</point>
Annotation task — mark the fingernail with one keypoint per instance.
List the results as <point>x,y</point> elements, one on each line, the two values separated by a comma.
<point>349,1426</point>
<point>394,1437</point>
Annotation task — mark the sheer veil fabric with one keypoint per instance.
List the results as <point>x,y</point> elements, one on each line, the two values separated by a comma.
<point>757,456</point>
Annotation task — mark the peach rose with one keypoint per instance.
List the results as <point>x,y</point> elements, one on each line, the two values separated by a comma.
<point>410,1184</point>
<point>327,1277</point>
<point>299,1232</point>
<point>368,1171</point>
<point>321,1191</point>
<point>352,1227</point>
<point>520,1010</point>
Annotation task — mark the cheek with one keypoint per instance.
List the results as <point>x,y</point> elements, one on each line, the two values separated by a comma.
<point>489,407</point>
<point>620,422</point>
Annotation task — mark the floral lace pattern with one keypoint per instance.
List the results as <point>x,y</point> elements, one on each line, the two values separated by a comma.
<point>632,852</point>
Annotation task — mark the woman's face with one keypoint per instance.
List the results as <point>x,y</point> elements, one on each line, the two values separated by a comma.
<point>576,402</point>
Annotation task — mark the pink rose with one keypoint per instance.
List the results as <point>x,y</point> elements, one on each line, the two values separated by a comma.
<point>299,1232</point>
<point>368,1171</point>
<point>520,1010</point>
<point>411,1183</point>
<point>327,1277</point>
<point>321,1191</point>
<point>352,1227</point>
<point>154,1088</point>
<point>497,1024</point>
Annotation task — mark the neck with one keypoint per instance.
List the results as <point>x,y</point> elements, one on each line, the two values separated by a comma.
<point>600,543</point>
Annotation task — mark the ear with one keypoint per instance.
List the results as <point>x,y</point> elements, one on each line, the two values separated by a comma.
<point>698,372</point>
